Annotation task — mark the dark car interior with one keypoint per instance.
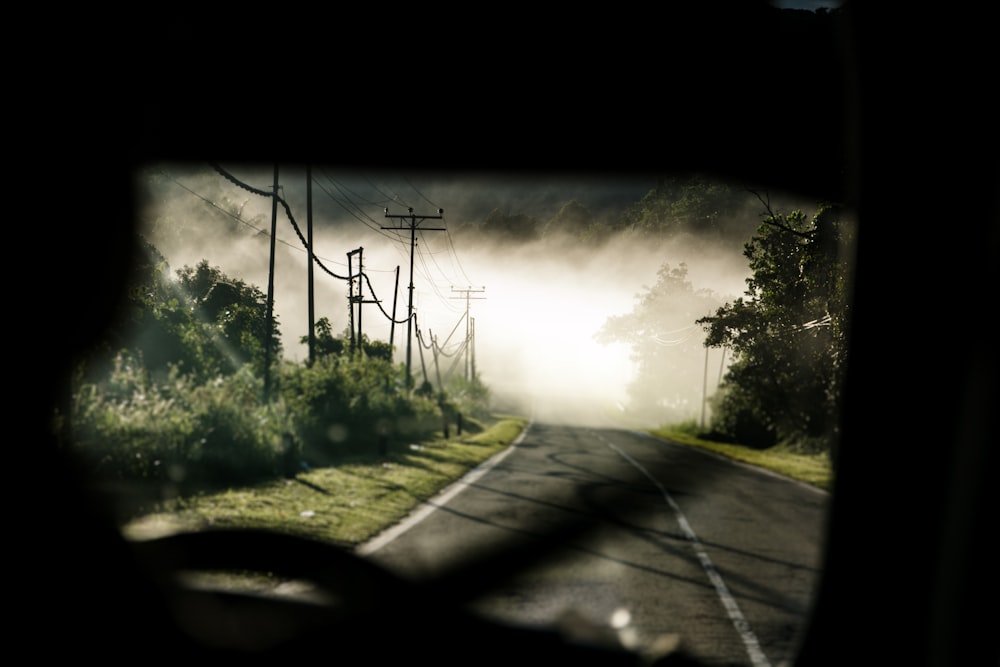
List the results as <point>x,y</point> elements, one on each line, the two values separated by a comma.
<point>870,108</point>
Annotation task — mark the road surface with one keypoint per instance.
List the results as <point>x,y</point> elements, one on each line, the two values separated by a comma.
<point>618,529</point>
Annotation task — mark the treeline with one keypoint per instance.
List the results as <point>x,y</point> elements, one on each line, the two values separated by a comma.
<point>786,337</point>
<point>694,205</point>
<point>175,392</point>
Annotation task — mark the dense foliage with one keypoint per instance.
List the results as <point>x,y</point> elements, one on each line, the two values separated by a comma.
<point>199,321</point>
<point>346,404</point>
<point>788,334</point>
<point>694,205</point>
<point>175,394</point>
<point>785,337</point>
<point>177,430</point>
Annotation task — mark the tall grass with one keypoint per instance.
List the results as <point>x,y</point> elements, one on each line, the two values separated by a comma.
<point>131,427</point>
<point>179,434</point>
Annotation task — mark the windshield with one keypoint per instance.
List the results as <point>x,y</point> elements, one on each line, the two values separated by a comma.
<point>602,403</point>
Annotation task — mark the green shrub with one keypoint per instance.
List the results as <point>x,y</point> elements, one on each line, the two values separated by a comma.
<point>127,426</point>
<point>471,398</point>
<point>178,431</point>
<point>348,405</point>
<point>738,417</point>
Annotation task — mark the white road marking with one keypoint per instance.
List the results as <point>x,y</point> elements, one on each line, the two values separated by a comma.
<point>757,657</point>
<point>429,506</point>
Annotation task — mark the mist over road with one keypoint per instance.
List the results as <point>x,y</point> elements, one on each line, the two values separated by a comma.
<point>619,527</point>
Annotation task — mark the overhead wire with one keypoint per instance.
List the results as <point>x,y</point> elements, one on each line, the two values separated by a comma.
<point>426,272</point>
<point>246,223</point>
<point>453,330</point>
<point>421,255</point>
<point>379,303</point>
<point>423,250</point>
<point>448,236</point>
<point>419,193</point>
<point>458,358</point>
<point>670,343</point>
<point>362,217</point>
<point>316,258</point>
<point>454,253</point>
<point>394,198</point>
<point>288,213</point>
<point>662,340</point>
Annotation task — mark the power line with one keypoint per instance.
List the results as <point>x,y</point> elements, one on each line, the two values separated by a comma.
<point>260,231</point>
<point>359,214</point>
<point>307,245</point>
<point>421,254</point>
<point>394,198</point>
<point>454,253</point>
<point>284,205</point>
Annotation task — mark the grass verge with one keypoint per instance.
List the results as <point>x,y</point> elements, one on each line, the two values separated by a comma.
<point>812,469</point>
<point>352,502</point>
<point>345,504</point>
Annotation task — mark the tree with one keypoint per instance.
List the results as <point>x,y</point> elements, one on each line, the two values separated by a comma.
<point>234,318</point>
<point>695,205</point>
<point>504,227</point>
<point>571,220</point>
<point>324,342</point>
<point>666,345</point>
<point>203,323</point>
<point>156,316</point>
<point>788,336</point>
<point>157,327</point>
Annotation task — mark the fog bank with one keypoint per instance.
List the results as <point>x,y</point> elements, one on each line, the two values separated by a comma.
<point>534,308</point>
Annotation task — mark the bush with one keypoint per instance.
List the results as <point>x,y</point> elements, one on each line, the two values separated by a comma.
<point>737,419</point>
<point>178,432</point>
<point>470,398</point>
<point>168,434</point>
<point>348,405</point>
<point>183,408</point>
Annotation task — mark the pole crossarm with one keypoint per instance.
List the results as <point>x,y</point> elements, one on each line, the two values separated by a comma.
<point>415,220</point>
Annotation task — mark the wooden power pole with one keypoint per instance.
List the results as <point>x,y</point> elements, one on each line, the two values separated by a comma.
<point>413,222</point>
<point>468,324</point>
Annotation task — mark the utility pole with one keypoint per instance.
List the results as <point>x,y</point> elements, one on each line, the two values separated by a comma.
<point>420,349</point>
<point>310,259</point>
<point>359,297</point>
<point>414,220</point>
<point>468,323</point>
<point>392,322</point>
<point>351,299</point>
<point>704,390</point>
<point>472,344</point>
<point>270,291</point>
<point>437,368</point>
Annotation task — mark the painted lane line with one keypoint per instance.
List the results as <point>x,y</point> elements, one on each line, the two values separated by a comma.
<point>750,641</point>
<point>429,506</point>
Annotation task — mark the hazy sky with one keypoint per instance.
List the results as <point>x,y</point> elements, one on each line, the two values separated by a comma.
<point>535,308</point>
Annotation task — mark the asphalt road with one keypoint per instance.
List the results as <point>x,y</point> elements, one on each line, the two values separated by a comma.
<point>602,528</point>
